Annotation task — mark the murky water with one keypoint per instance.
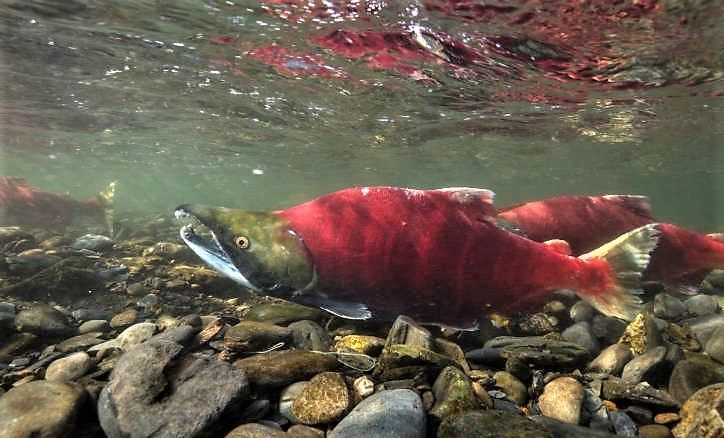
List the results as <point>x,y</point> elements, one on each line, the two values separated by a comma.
<point>261,105</point>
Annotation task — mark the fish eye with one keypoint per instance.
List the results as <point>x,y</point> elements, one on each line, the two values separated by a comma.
<point>242,242</point>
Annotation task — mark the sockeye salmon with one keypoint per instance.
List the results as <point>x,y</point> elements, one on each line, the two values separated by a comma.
<point>436,255</point>
<point>682,257</point>
<point>23,205</point>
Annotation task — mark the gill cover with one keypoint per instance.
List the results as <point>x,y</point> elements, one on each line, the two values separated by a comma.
<point>255,249</point>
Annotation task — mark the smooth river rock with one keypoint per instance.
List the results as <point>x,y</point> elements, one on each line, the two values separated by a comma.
<point>40,409</point>
<point>69,368</point>
<point>280,368</point>
<point>562,399</point>
<point>395,413</point>
<point>491,424</point>
<point>323,400</point>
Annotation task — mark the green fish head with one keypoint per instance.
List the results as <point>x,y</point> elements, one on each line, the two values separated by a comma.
<point>255,249</point>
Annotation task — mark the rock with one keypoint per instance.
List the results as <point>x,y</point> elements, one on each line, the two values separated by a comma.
<point>94,325</point>
<point>406,331</point>
<point>536,324</point>
<point>453,394</point>
<point>453,351</point>
<point>40,409</point>
<point>641,394</point>
<point>582,311</point>
<point>308,335</point>
<point>363,387</point>
<point>681,336</point>
<point>256,430</point>
<point>644,367</point>
<point>701,305</point>
<point>254,336</point>
<point>714,347</point>
<point>701,415</point>
<point>133,335</point>
<point>93,242</point>
<point>623,425</point>
<point>666,418</point>
<point>692,374</point>
<point>641,334</point>
<point>580,333</point>
<point>171,251</point>
<point>43,320</point>
<point>559,429</point>
<point>655,431</point>
<point>491,424</point>
<point>302,431</point>
<point>80,342</point>
<point>668,307</point>
<point>703,327</point>
<point>538,352</point>
<point>69,368</point>
<point>324,400</point>
<point>155,389</point>
<point>136,289</point>
<point>7,315</point>
<point>283,313</point>
<point>612,359</point>
<point>370,345</point>
<point>287,397</point>
<point>562,399</point>
<point>400,361</point>
<point>512,387</point>
<point>16,343</point>
<point>280,368</point>
<point>124,319</point>
<point>397,413</point>
<point>607,328</point>
<point>87,314</point>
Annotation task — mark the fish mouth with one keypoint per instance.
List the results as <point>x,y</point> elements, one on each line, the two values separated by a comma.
<point>209,249</point>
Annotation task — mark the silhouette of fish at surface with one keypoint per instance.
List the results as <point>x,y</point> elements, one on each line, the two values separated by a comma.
<point>26,206</point>
<point>436,255</point>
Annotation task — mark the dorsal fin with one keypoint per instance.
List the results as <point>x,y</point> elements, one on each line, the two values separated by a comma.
<point>637,204</point>
<point>559,245</point>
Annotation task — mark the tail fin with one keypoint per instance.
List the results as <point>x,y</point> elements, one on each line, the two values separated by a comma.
<point>627,256</point>
<point>106,199</point>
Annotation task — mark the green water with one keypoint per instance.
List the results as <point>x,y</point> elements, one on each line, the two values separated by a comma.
<point>136,92</point>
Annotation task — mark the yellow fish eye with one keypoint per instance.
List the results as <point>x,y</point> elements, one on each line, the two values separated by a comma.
<point>242,242</point>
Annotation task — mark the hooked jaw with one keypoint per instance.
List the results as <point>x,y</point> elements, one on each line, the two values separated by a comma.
<point>209,250</point>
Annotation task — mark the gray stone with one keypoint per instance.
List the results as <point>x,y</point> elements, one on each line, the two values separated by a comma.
<point>714,347</point>
<point>607,328</point>
<point>80,342</point>
<point>397,413</point>
<point>69,368</point>
<point>129,337</point>
<point>283,313</point>
<point>701,305</point>
<point>704,326</point>
<point>491,424</point>
<point>155,389</point>
<point>702,415</point>
<point>644,367</point>
<point>40,409</point>
<point>539,352</point>
<point>302,431</point>
<point>582,311</point>
<point>668,307</point>
<point>406,331</point>
<point>580,333</point>
<point>287,397</point>
<point>87,314</point>
<point>94,325</point>
<point>309,335</point>
<point>7,315</point>
<point>612,359</point>
<point>641,394</point>
<point>559,429</point>
<point>562,399</point>
<point>692,374</point>
<point>43,320</point>
<point>93,242</point>
<point>623,425</point>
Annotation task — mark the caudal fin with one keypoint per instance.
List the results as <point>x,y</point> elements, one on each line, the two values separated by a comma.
<point>627,257</point>
<point>106,199</point>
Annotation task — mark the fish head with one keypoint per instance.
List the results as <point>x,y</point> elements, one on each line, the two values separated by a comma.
<point>256,249</point>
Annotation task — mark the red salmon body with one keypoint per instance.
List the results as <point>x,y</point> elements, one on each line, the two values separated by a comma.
<point>585,222</point>
<point>436,255</point>
<point>683,255</point>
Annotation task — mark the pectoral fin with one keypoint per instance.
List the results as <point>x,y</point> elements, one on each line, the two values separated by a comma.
<point>343,309</point>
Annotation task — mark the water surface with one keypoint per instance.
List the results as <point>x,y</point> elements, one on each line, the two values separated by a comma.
<point>252,105</point>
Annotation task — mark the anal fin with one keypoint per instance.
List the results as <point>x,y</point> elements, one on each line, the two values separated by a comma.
<point>343,309</point>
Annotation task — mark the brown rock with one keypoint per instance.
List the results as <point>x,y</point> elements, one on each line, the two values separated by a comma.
<point>256,430</point>
<point>324,400</point>
<point>702,415</point>
<point>562,399</point>
<point>655,431</point>
<point>280,368</point>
